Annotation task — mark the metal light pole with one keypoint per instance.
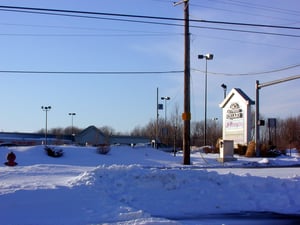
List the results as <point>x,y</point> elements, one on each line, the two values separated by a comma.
<point>258,86</point>
<point>46,109</point>
<point>166,99</point>
<point>72,114</point>
<point>165,129</point>
<point>224,88</point>
<point>207,57</point>
<point>214,135</point>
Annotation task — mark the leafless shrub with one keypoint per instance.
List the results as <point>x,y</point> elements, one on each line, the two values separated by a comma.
<point>103,149</point>
<point>250,149</point>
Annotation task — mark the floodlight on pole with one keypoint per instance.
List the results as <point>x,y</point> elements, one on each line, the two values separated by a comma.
<point>72,114</point>
<point>206,57</point>
<point>225,89</point>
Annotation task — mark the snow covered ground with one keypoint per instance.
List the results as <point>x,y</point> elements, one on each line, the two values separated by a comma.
<point>141,185</point>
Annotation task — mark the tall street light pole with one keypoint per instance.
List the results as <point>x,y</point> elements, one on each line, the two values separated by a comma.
<point>72,114</point>
<point>46,109</point>
<point>166,99</point>
<point>207,57</point>
<point>165,129</point>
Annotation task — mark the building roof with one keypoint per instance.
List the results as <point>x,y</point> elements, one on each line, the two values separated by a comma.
<point>241,93</point>
<point>89,129</point>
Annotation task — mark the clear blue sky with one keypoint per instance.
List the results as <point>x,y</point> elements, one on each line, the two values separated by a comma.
<point>34,42</point>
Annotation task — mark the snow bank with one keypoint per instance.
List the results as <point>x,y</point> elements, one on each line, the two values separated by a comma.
<point>137,186</point>
<point>172,192</point>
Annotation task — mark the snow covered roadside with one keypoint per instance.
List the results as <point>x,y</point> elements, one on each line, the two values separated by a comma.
<point>135,186</point>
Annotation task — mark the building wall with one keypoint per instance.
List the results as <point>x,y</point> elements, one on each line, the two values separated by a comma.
<point>28,139</point>
<point>127,140</point>
<point>91,136</point>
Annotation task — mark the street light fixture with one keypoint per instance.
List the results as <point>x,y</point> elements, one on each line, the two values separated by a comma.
<point>224,88</point>
<point>72,114</point>
<point>46,109</point>
<point>206,57</point>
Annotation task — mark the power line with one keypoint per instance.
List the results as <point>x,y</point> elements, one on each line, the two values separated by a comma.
<point>86,35</point>
<point>251,74</point>
<point>240,12</point>
<point>93,32</point>
<point>71,12</point>
<point>90,72</point>
<point>246,24</point>
<point>162,23</point>
<point>158,34</point>
<point>74,27</point>
<point>140,72</point>
<point>264,7</point>
<point>246,42</point>
<point>93,17</point>
<point>248,31</point>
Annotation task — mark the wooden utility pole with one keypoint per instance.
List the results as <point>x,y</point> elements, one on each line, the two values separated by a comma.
<point>186,116</point>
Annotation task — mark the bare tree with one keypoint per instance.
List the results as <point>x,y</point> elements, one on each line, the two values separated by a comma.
<point>214,131</point>
<point>175,126</point>
<point>72,130</point>
<point>197,131</point>
<point>107,130</point>
<point>288,134</point>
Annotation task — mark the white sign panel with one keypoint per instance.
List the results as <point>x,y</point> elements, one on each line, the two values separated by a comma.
<point>236,117</point>
<point>234,123</point>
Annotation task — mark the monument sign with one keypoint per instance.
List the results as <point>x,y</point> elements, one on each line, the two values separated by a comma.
<point>237,117</point>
